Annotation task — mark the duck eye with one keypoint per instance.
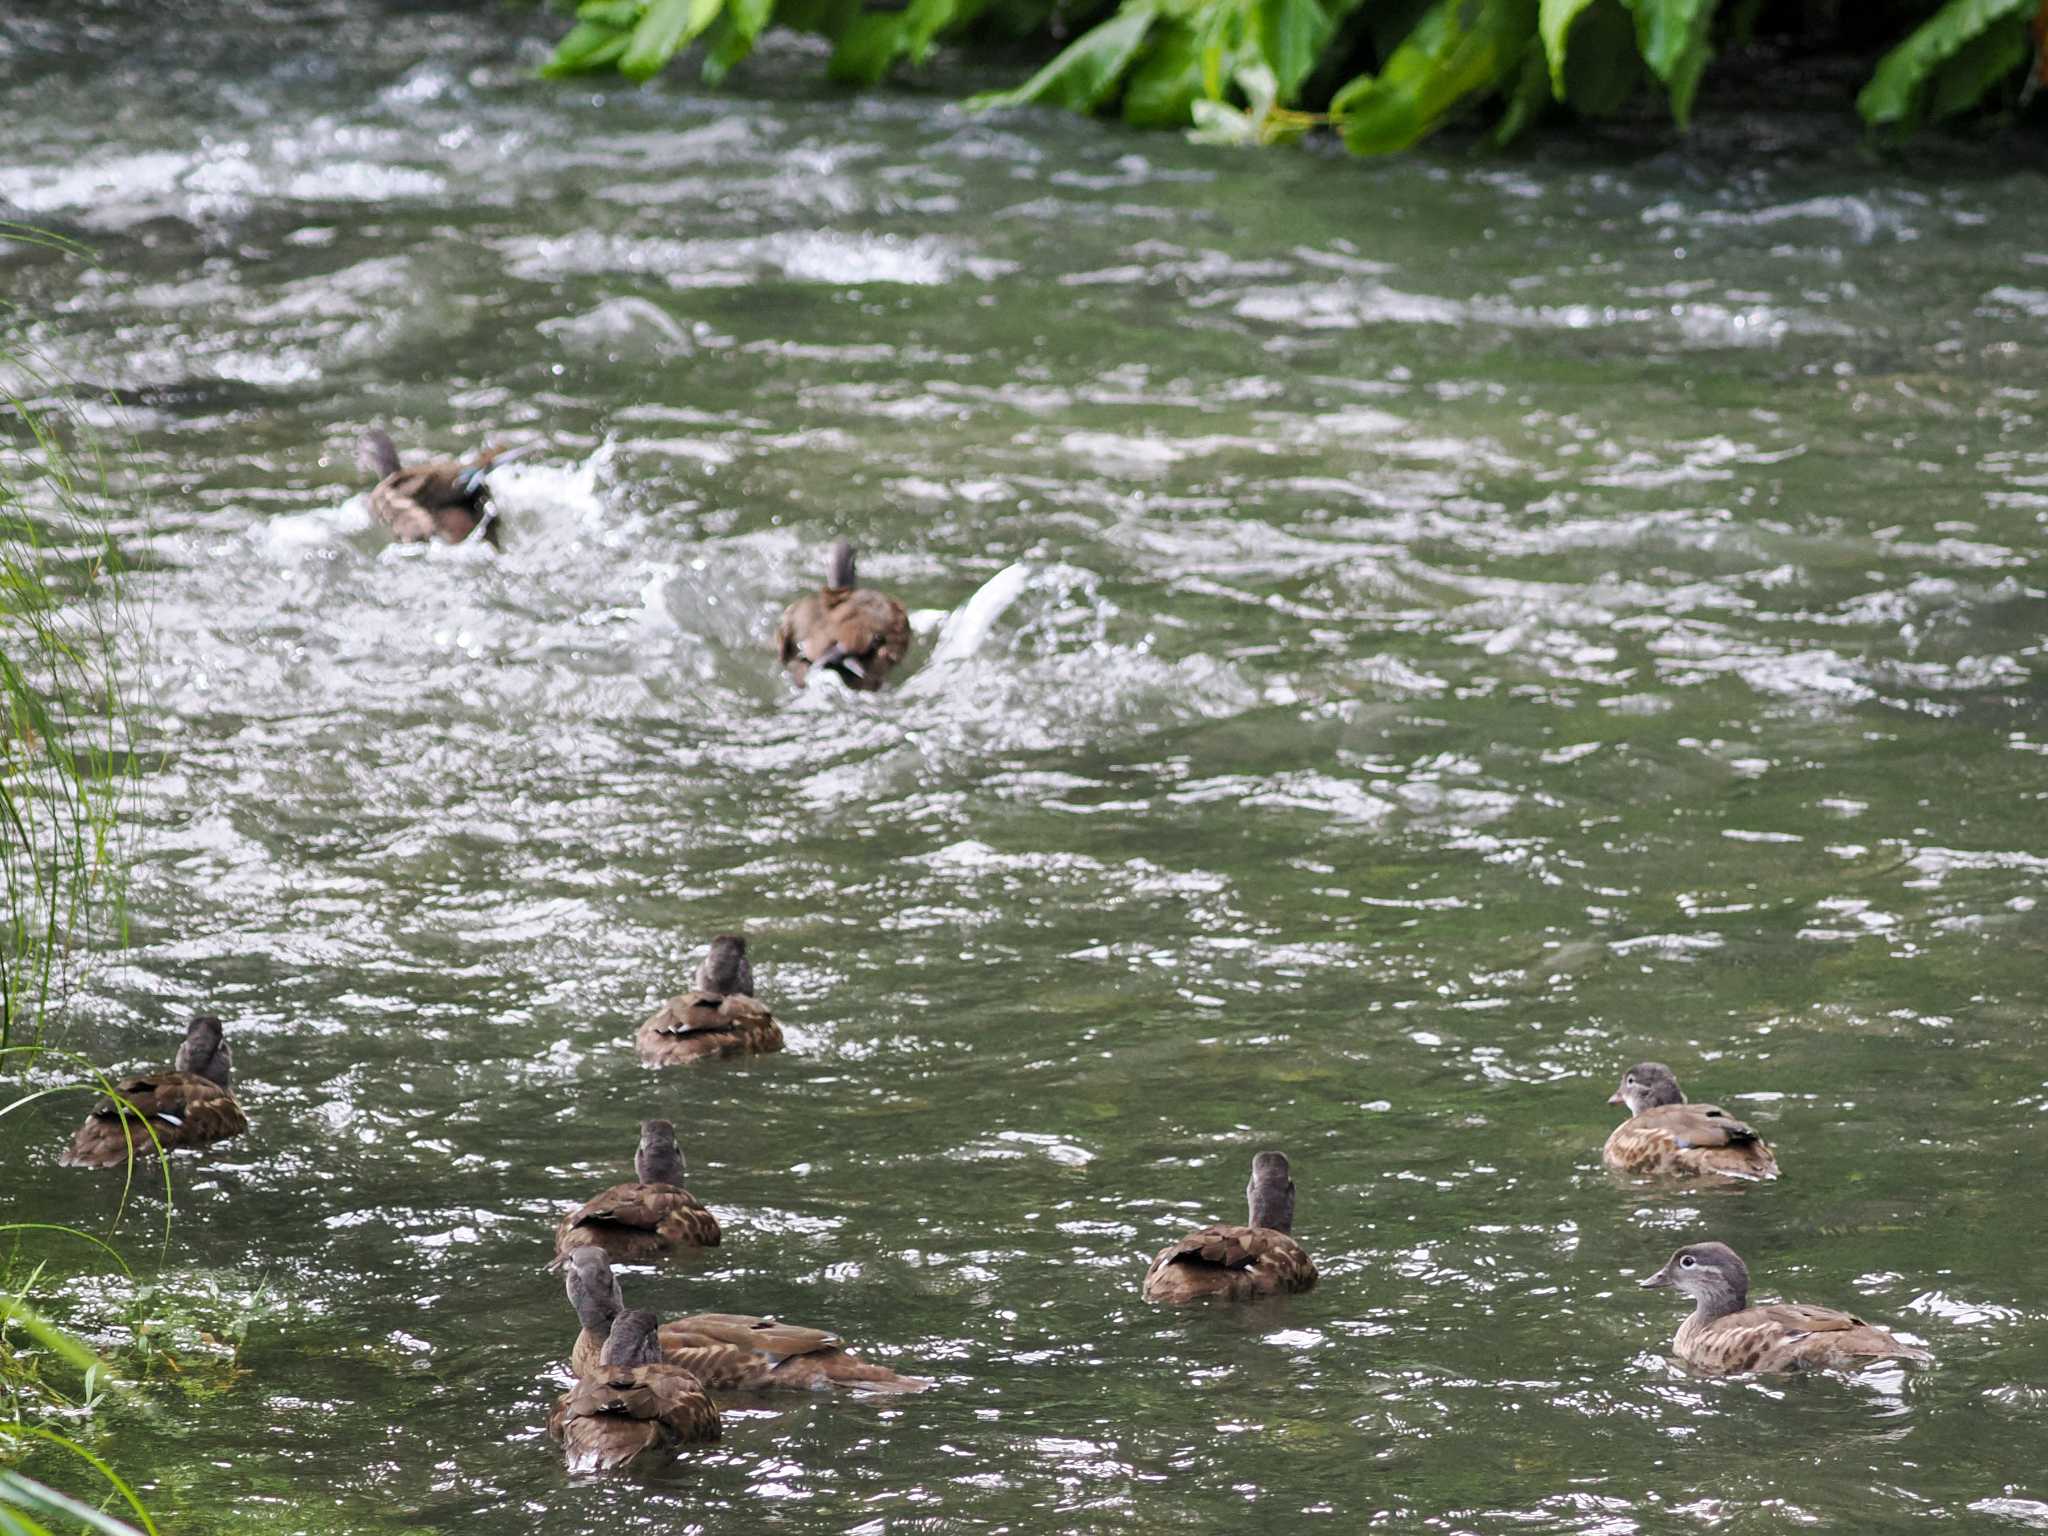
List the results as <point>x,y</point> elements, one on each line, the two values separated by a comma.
<point>1687,1262</point>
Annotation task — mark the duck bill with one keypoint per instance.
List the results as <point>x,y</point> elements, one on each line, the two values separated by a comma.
<point>1657,1281</point>
<point>1616,1098</point>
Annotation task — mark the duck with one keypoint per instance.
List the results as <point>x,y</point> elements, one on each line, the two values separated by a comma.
<point>717,1017</point>
<point>856,632</point>
<point>633,1406</point>
<point>649,1217</point>
<point>1260,1258</point>
<point>1666,1135</point>
<point>447,499</point>
<point>727,1351</point>
<point>1726,1337</point>
<point>191,1105</point>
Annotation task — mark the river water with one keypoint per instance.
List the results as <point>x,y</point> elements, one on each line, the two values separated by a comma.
<point>1482,621</point>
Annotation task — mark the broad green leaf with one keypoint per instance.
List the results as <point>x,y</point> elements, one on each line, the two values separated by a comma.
<point>1895,91</point>
<point>922,24</point>
<point>668,27</point>
<point>623,14</point>
<point>1604,69</point>
<point>1459,48</point>
<point>1167,83</point>
<point>1990,57</point>
<point>1554,19</point>
<point>1673,36</point>
<point>867,48</point>
<point>589,45</point>
<point>1087,69</point>
<point>1291,35</point>
<point>1526,100</point>
<point>24,1493</point>
<point>749,18</point>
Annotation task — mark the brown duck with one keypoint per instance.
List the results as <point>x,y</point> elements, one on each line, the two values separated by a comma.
<point>727,1351</point>
<point>1665,1134</point>
<point>855,631</point>
<point>718,1017</point>
<point>189,1106</point>
<point>1725,1336</point>
<point>447,499</point>
<point>633,1406</point>
<point>648,1217</point>
<point>1239,1263</point>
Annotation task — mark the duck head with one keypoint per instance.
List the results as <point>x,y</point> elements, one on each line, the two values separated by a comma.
<point>839,566</point>
<point>726,971</point>
<point>205,1051</point>
<point>593,1289</point>
<point>659,1160</point>
<point>1270,1194</point>
<point>1711,1274</point>
<point>1646,1085</point>
<point>633,1341</point>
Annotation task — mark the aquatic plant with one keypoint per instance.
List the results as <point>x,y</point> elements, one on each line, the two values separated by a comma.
<point>1383,75</point>
<point>65,758</point>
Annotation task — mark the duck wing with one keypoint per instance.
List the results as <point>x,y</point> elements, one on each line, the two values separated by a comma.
<point>1225,1247</point>
<point>757,1335</point>
<point>1698,1125</point>
<point>616,1416</point>
<point>183,1108</point>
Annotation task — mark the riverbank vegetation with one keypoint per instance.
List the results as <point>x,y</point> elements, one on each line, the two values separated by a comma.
<point>1383,76</point>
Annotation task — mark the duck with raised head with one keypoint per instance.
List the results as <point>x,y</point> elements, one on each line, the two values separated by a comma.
<point>648,1217</point>
<point>447,499</point>
<point>717,1017</point>
<point>192,1105</point>
<point>854,631</point>
<point>1666,1134</point>
<point>632,1406</point>
<point>727,1351</point>
<point>1260,1258</point>
<point>1725,1336</point>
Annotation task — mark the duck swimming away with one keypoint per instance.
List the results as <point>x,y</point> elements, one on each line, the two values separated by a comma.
<point>718,1017</point>
<point>191,1105</point>
<point>446,499</point>
<point>649,1217</point>
<point>1666,1135</point>
<point>633,1406</point>
<point>1260,1258</point>
<point>1725,1336</point>
<point>727,1351</point>
<point>851,630</point>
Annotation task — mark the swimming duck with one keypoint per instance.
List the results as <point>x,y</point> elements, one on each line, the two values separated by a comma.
<point>633,1406</point>
<point>1239,1263</point>
<point>1724,1336</point>
<point>727,1351</point>
<point>447,499</point>
<point>189,1106</point>
<point>1664,1134</point>
<point>643,1220</point>
<point>718,1017</point>
<point>857,632</point>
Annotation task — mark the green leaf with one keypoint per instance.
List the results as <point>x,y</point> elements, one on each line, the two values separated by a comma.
<point>1291,34</point>
<point>1673,36</point>
<point>668,27</point>
<point>733,38</point>
<point>1554,20</point>
<point>867,48</point>
<point>1987,59</point>
<point>922,24</point>
<point>622,14</point>
<point>1219,123</point>
<point>1459,48</point>
<point>589,45</point>
<point>1604,70</point>
<point>1897,89</point>
<point>1087,70</point>
<point>1526,100</point>
<point>749,18</point>
<point>1165,86</point>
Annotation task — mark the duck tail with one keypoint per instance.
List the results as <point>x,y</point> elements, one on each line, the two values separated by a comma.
<point>377,454</point>
<point>843,1370</point>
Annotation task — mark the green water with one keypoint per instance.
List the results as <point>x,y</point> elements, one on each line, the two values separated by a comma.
<point>1485,622</point>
